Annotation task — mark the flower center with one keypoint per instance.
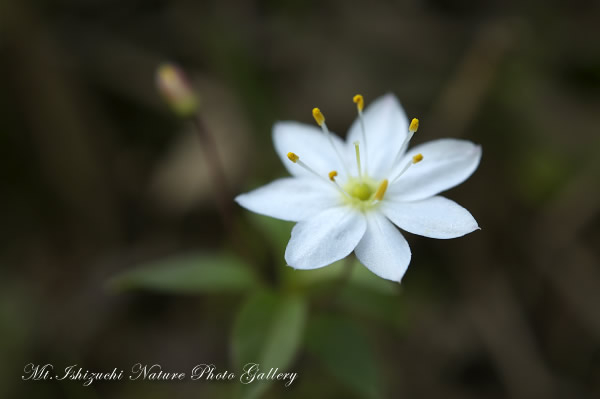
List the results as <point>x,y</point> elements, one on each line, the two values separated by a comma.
<point>362,191</point>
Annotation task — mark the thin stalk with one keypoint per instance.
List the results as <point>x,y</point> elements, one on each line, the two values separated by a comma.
<point>216,171</point>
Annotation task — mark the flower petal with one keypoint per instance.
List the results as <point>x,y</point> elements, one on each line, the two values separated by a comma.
<point>291,198</point>
<point>386,128</point>
<point>446,163</point>
<point>435,217</point>
<point>383,249</point>
<point>325,238</point>
<point>311,145</point>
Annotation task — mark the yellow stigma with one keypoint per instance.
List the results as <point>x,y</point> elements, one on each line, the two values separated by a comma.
<point>381,190</point>
<point>360,190</point>
<point>417,158</point>
<point>319,118</point>
<point>293,157</point>
<point>414,125</point>
<point>359,101</point>
<point>332,175</point>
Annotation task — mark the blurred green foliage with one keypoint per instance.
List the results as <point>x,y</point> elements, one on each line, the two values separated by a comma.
<point>345,352</point>
<point>190,274</point>
<point>268,331</point>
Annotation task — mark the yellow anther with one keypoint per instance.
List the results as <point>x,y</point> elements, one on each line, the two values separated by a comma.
<point>359,101</point>
<point>332,175</point>
<point>318,115</point>
<point>293,157</point>
<point>414,125</point>
<point>417,158</point>
<point>381,190</point>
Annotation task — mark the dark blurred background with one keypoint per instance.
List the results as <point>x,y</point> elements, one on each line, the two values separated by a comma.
<point>98,176</point>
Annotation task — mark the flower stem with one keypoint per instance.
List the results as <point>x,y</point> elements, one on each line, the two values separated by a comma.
<point>216,171</point>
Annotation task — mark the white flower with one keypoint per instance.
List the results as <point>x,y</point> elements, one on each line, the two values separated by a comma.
<point>347,196</point>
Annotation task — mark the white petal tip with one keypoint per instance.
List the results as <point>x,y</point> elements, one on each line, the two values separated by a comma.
<point>478,151</point>
<point>468,231</point>
<point>474,227</point>
<point>464,233</point>
<point>298,264</point>
<point>240,200</point>
<point>293,263</point>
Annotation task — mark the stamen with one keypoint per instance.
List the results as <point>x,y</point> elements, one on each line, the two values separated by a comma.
<point>357,150</point>
<point>360,104</point>
<point>296,159</point>
<point>293,157</point>
<point>359,101</point>
<point>412,129</point>
<point>332,175</point>
<point>381,191</point>
<point>414,125</point>
<point>416,159</point>
<point>320,119</point>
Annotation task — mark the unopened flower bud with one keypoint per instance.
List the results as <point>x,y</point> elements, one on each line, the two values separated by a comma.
<point>176,89</point>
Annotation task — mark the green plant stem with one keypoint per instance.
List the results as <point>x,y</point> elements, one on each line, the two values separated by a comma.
<point>216,171</point>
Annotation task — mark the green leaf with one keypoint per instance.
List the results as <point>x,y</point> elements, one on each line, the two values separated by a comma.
<point>268,331</point>
<point>190,274</point>
<point>345,352</point>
